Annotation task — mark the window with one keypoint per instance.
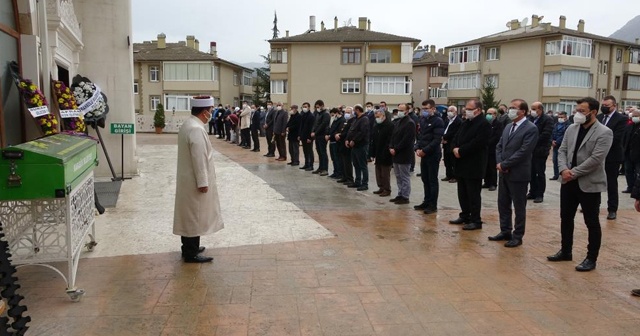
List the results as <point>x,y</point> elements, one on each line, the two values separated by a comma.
<point>350,55</point>
<point>493,54</point>
<point>567,106</point>
<point>351,85</point>
<point>633,83</point>
<point>616,83</point>
<point>634,56</point>
<point>154,73</point>
<point>618,55</point>
<point>436,92</point>
<point>493,79</point>
<point>246,78</point>
<point>155,100</point>
<point>380,56</point>
<point>236,78</point>
<point>177,102</point>
<point>439,72</point>
<point>604,94</point>
<point>464,55</point>
<point>279,55</point>
<point>633,103</point>
<point>464,81</point>
<point>391,85</point>
<point>568,78</point>
<point>278,86</point>
<point>550,107</point>
<point>188,71</point>
<point>570,46</point>
<point>135,87</point>
<point>605,67</point>
<point>216,73</point>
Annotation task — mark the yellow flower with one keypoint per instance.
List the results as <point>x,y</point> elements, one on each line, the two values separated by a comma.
<point>48,124</point>
<point>32,87</point>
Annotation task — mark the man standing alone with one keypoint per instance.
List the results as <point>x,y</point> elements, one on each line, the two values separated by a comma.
<point>197,207</point>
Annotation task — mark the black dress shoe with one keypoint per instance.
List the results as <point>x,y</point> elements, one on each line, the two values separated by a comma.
<point>317,171</point>
<point>342,180</point>
<point>354,185</point>
<point>538,200</point>
<point>430,210</point>
<point>201,249</point>
<point>198,259</point>
<point>560,256</point>
<point>635,292</point>
<point>421,206</point>
<point>270,155</point>
<point>332,176</point>
<point>445,179</point>
<point>553,178</point>
<point>304,167</point>
<point>492,188</point>
<point>309,169</point>
<point>513,243</point>
<point>402,200</point>
<point>472,226</point>
<point>612,215</point>
<point>500,236</point>
<point>529,196</point>
<point>293,164</point>
<point>586,265</point>
<point>393,200</point>
<point>255,150</point>
<point>627,191</point>
<point>458,220</point>
<point>362,188</point>
<point>485,186</point>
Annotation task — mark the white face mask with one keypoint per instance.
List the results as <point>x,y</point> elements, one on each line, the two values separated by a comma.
<point>268,106</point>
<point>561,120</point>
<point>534,114</point>
<point>400,114</point>
<point>451,115</point>
<point>305,110</point>
<point>579,118</point>
<point>635,120</point>
<point>347,116</point>
<point>379,120</point>
<point>513,114</point>
<point>469,113</point>
<point>278,107</point>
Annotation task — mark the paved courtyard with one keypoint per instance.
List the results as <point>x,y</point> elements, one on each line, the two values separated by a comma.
<point>303,255</point>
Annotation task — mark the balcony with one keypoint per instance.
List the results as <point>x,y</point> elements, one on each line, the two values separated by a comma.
<point>566,92</point>
<point>463,93</point>
<point>631,67</point>
<point>278,68</point>
<point>389,68</point>
<point>630,95</point>
<point>191,86</point>
<point>246,89</point>
<point>464,67</point>
<point>437,80</point>
<point>573,61</point>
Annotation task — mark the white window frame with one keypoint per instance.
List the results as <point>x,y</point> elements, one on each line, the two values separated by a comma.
<point>279,55</point>
<point>617,80</point>
<point>464,81</point>
<point>348,51</point>
<point>436,92</point>
<point>634,56</point>
<point>388,85</point>
<point>190,72</point>
<point>618,55</point>
<point>568,78</point>
<point>279,86</point>
<point>154,73</point>
<point>153,102</point>
<point>633,83</point>
<point>380,56</point>
<point>436,71</point>
<point>185,98</point>
<point>570,46</point>
<point>236,78</point>
<point>633,103</point>
<point>493,54</point>
<point>350,86</point>
<point>136,88</point>
<point>495,78</point>
<point>605,67</point>
<point>216,72</point>
<point>470,54</point>
<point>246,78</point>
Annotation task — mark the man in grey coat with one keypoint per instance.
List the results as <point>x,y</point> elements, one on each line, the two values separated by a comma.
<point>581,161</point>
<point>513,156</point>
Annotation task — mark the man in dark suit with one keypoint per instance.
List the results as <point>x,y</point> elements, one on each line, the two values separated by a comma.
<point>429,150</point>
<point>470,151</point>
<point>452,124</point>
<point>255,128</point>
<point>401,148</point>
<point>540,153</point>
<point>268,126</point>
<point>306,127</point>
<point>631,146</point>
<point>320,129</point>
<point>343,150</point>
<point>336,123</point>
<point>513,156</point>
<point>581,158</point>
<point>490,177</point>
<point>616,123</point>
<point>293,131</point>
<point>635,193</point>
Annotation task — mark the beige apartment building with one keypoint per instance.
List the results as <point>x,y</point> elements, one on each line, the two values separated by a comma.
<point>171,73</point>
<point>540,62</point>
<point>430,75</point>
<point>341,65</point>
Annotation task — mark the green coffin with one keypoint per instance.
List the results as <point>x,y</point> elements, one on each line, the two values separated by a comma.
<point>46,168</point>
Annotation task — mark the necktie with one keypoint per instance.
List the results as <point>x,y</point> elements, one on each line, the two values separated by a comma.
<point>604,121</point>
<point>513,128</point>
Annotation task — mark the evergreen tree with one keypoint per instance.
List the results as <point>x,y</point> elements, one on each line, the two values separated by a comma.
<point>275,25</point>
<point>262,85</point>
<point>487,94</point>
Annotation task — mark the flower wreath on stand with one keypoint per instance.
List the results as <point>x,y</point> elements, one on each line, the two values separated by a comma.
<point>91,101</point>
<point>37,104</point>
<point>72,119</point>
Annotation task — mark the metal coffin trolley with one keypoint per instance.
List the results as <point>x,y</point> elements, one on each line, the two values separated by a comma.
<point>47,202</point>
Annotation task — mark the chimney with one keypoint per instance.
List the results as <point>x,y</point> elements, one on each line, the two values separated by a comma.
<point>563,22</point>
<point>321,25</point>
<point>213,50</point>
<point>581,26</point>
<point>441,51</point>
<point>312,23</point>
<point>286,33</point>
<point>515,24</point>
<point>162,41</point>
<point>535,21</point>
<point>197,45</point>
<point>362,23</point>
<point>547,26</point>
<point>191,41</point>
<point>432,49</point>
<point>335,23</point>
<point>368,24</point>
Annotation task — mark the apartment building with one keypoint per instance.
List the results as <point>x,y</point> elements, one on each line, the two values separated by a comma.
<point>430,74</point>
<point>540,62</point>
<point>342,65</point>
<point>171,73</point>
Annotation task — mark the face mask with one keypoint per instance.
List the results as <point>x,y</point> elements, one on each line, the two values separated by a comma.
<point>489,117</point>
<point>513,114</point>
<point>379,120</point>
<point>605,109</point>
<point>469,114</point>
<point>292,112</point>
<point>347,116</point>
<point>579,118</point>
<point>451,114</point>
<point>244,105</point>
<point>635,120</point>
<point>268,106</point>
<point>534,114</point>
<point>278,108</point>
<point>369,109</point>
<point>561,120</point>
<point>400,114</point>
<point>305,110</point>
<point>425,114</point>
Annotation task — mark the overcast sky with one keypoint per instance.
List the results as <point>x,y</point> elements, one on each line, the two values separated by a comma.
<point>241,28</point>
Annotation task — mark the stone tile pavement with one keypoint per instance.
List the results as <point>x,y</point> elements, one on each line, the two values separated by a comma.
<point>302,255</point>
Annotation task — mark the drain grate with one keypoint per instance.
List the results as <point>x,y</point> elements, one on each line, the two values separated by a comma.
<point>108,193</point>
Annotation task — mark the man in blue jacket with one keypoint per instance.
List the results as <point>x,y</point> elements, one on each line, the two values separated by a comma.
<point>556,140</point>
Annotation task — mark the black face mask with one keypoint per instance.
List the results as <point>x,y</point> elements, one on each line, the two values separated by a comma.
<point>605,109</point>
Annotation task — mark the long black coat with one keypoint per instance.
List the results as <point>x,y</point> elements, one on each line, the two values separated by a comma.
<point>631,142</point>
<point>472,139</point>
<point>402,140</point>
<point>306,126</point>
<point>545,131</point>
<point>380,147</point>
<point>617,125</point>
<point>293,125</point>
<point>496,133</point>
<point>344,131</point>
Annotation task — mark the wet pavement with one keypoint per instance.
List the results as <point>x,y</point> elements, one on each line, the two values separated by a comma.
<point>303,255</point>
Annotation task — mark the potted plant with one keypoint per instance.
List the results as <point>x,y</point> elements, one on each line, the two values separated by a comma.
<point>158,119</point>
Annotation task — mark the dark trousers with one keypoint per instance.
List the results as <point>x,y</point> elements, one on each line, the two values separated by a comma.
<point>359,159</point>
<point>321,149</point>
<point>271,145</point>
<point>413,162</point>
<point>336,159</point>
<point>449,160</point>
<point>227,130</point>
<point>245,133</point>
<point>256,140</point>
<point>538,178</point>
<point>281,144</point>
<point>294,151</point>
<point>631,169</point>
<point>570,197</point>
<point>383,177</point>
<point>307,150</point>
<point>220,127</point>
<point>190,246</point>
<point>429,167</point>
<point>556,169</point>
<point>491,176</point>
<point>212,127</point>
<point>470,199</point>
<point>347,166</point>
<point>514,193</point>
<point>613,170</point>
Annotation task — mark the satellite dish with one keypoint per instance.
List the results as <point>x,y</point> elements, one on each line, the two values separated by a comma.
<point>541,17</point>
<point>508,24</point>
<point>524,22</point>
